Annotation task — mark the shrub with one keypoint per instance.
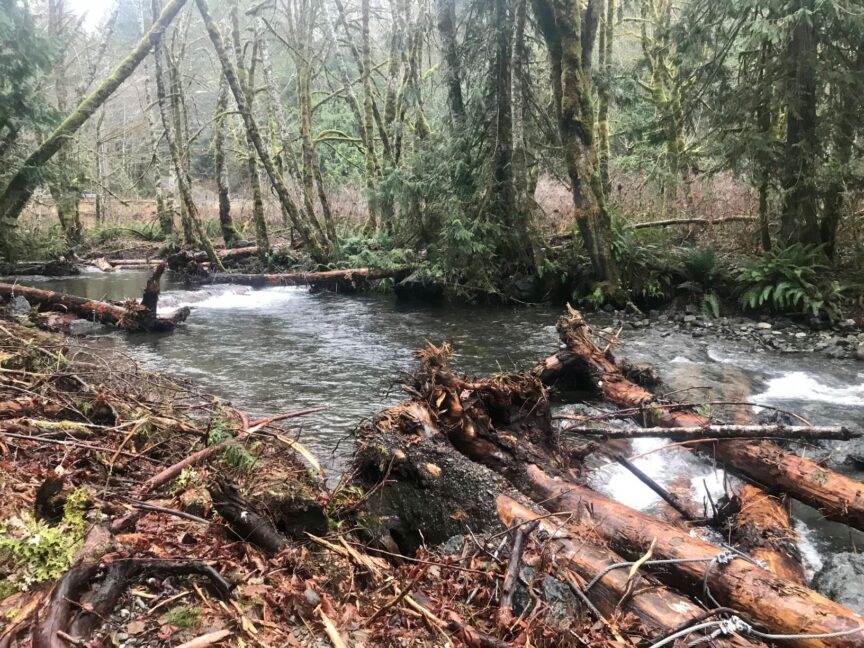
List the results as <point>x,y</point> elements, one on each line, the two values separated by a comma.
<point>702,274</point>
<point>789,280</point>
<point>641,257</point>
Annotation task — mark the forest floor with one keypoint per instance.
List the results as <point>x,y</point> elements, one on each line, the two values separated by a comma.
<point>86,438</point>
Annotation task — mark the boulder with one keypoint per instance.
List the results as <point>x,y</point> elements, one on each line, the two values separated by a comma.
<point>18,306</point>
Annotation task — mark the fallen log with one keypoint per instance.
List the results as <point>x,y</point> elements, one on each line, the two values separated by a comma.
<point>103,264</point>
<point>131,316</point>
<point>762,528</point>
<point>419,484</point>
<point>691,221</point>
<point>773,603</point>
<point>789,432</point>
<point>136,263</point>
<point>337,280</point>
<point>658,608</point>
<point>581,362</point>
<point>183,257</point>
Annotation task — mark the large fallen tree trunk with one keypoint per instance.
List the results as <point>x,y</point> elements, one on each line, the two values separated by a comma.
<point>347,280</point>
<point>836,496</point>
<point>424,488</point>
<point>132,315</point>
<point>660,609</point>
<point>776,604</point>
<point>470,415</point>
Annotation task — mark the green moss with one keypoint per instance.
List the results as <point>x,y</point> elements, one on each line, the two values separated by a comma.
<point>32,552</point>
<point>183,617</point>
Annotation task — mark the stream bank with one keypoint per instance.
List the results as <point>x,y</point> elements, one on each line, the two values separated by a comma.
<point>492,339</point>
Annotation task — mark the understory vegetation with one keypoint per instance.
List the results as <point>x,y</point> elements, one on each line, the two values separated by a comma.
<point>605,151</point>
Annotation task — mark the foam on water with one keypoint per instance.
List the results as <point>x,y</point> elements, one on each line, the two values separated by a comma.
<point>229,298</point>
<point>801,386</point>
<point>811,556</point>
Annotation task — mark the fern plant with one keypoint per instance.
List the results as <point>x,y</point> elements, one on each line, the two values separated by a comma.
<point>702,273</point>
<point>788,279</point>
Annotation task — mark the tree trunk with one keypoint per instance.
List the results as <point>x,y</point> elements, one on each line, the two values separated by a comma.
<point>183,185</point>
<point>317,249</point>
<point>561,24</point>
<point>246,81</point>
<point>661,610</point>
<point>336,280</point>
<point>368,118</point>
<point>793,432</point>
<point>843,141</point>
<point>774,603</point>
<point>20,187</point>
<point>452,69</point>
<point>799,223</point>
<point>607,35</point>
<point>229,233</point>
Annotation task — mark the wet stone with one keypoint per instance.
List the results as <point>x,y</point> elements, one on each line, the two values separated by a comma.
<point>842,580</point>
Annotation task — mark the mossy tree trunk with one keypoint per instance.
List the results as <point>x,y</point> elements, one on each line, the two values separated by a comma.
<point>246,79</point>
<point>20,187</point>
<point>605,50</point>
<point>800,218</point>
<point>452,68</point>
<point>318,249</point>
<point>562,22</point>
<point>369,118</point>
<point>183,183</point>
<point>226,223</point>
<point>835,198</point>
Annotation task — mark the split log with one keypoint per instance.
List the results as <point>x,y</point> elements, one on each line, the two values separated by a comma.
<point>658,608</point>
<point>581,362</point>
<point>780,606</point>
<point>762,528</point>
<point>337,280</point>
<point>131,315</point>
<point>790,432</point>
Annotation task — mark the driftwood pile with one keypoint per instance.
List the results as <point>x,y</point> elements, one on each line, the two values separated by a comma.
<point>484,453</point>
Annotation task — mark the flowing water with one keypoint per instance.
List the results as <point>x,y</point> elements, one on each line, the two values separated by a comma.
<point>273,350</point>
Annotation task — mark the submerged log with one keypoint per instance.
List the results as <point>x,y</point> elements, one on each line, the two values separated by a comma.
<point>792,432</point>
<point>581,362</point>
<point>762,528</point>
<point>131,315</point>
<point>339,280</point>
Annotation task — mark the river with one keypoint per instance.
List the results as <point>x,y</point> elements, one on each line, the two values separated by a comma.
<point>273,350</point>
